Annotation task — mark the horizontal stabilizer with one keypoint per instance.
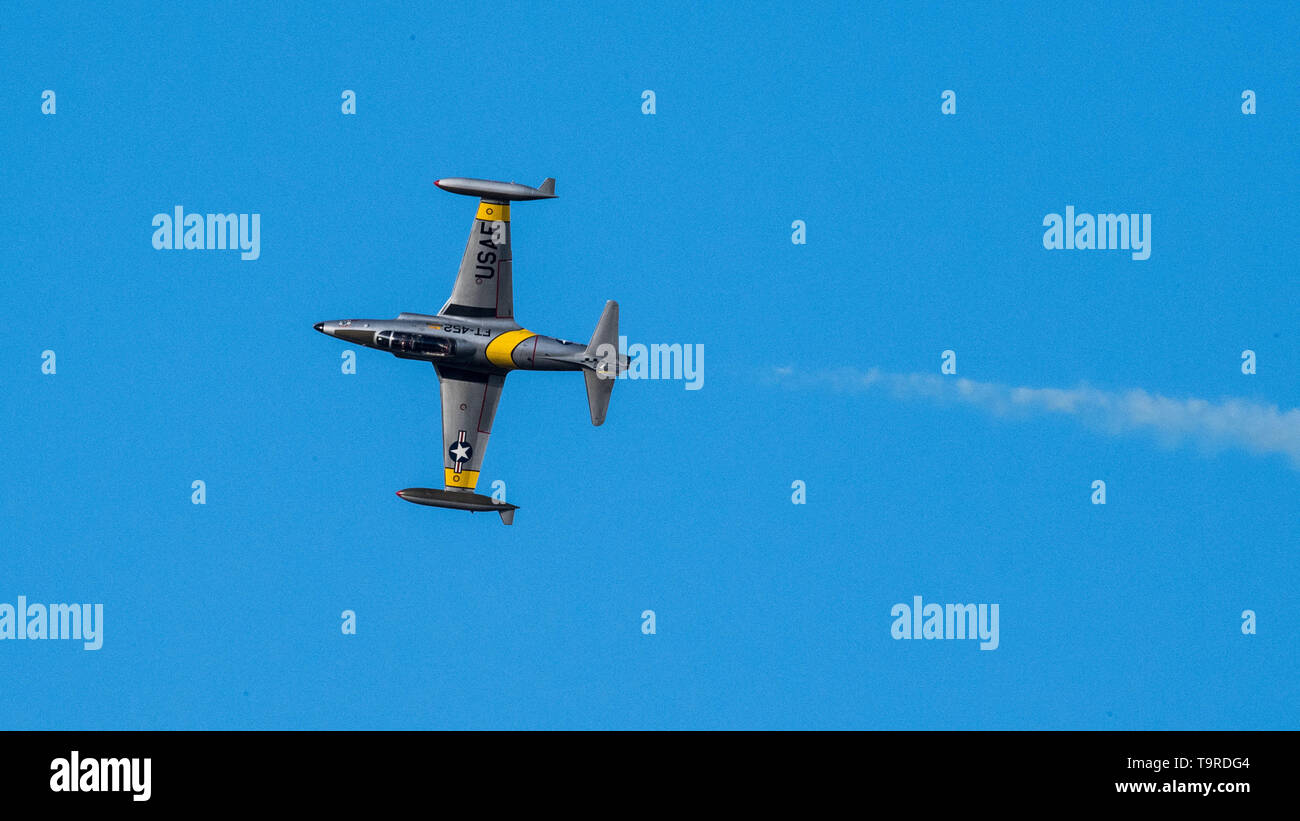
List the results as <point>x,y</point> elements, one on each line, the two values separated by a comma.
<point>602,363</point>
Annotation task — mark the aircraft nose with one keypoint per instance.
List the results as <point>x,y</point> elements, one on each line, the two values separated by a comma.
<point>320,326</point>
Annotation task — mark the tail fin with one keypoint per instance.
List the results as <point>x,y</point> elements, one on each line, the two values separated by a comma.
<point>547,186</point>
<point>602,363</point>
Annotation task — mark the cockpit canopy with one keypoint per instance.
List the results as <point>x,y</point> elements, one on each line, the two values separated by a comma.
<point>417,346</point>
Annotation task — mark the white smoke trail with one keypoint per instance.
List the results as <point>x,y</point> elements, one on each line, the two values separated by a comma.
<point>1211,425</point>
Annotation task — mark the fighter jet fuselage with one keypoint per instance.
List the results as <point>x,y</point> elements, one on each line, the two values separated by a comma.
<point>486,345</point>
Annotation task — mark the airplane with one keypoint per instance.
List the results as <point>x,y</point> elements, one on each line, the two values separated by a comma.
<point>474,342</point>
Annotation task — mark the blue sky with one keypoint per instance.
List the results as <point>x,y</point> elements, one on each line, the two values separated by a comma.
<point>924,234</point>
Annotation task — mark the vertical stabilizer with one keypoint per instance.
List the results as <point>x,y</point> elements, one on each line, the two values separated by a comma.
<point>602,363</point>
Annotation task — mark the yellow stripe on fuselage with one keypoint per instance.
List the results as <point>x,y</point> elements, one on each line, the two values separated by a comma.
<point>494,212</point>
<point>499,349</point>
<point>466,478</point>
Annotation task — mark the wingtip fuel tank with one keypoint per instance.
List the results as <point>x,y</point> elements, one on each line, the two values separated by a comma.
<point>458,500</point>
<point>494,190</point>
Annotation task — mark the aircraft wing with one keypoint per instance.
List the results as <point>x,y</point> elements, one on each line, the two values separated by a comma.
<point>469,404</point>
<point>483,283</point>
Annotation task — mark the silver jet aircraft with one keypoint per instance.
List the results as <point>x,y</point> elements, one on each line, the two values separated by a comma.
<point>474,341</point>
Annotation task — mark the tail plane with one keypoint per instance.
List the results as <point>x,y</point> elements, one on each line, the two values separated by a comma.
<point>602,363</point>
